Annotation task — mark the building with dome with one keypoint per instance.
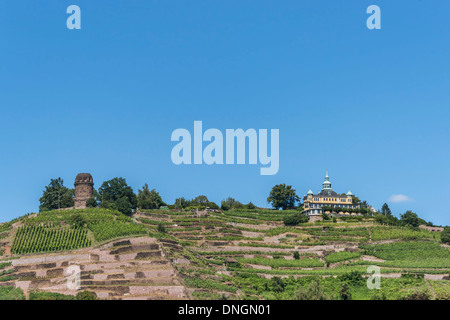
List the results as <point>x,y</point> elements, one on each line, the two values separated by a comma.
<point>314,204</point>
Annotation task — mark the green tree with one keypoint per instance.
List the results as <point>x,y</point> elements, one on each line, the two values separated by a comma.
<point>251,206</point>
<point>282,196</point>
<point>224,206</point>
<point>56,196</point>
<point>410,218</point>
<point>313,292</point>
<point>230,204</point>
<point>200,201</point>
<point>213,205</point>
<point>389,220</point>
<point>445,235</point>
<point>181,203</point>
<point>91,203</point>
<point>149,199</point>
<point>364,204</point>
<point>124,205</point>
<point>385,210</point>
<point>116,194</point>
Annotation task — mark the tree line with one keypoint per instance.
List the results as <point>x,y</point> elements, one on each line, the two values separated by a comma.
<point>113,194</point>
<point>116,194</point>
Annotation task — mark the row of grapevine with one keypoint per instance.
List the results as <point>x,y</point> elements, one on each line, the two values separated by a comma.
<point>34,239</point>
<point>388,233</point>
<point>112,229</point>
<point>90,215</point>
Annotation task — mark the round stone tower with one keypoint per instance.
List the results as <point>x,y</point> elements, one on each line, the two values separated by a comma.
<point>84,185</point>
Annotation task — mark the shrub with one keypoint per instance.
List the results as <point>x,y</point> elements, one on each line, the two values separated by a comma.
<point>161,228</point>
<point>344,293</point>
<point>11,293</point>
<point>379,296</point>
<point>353,277</point>
<point>445,235</point>
<point>36,295</point>
<point>314,292</point>
<point>418,295</point>
<point>295,219</point>
<point>277,284</point>
<point>86,295</point>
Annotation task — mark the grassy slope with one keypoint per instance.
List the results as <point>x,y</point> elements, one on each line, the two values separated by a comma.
<point>264,243</point>
<point>263,247</point>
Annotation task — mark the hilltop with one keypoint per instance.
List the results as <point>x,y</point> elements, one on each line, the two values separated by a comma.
<point>235,254</point>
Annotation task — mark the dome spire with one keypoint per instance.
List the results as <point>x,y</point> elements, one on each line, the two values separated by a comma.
<point>326,185</point>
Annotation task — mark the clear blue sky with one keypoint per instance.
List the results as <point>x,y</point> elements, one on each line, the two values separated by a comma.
<point>371,106</point>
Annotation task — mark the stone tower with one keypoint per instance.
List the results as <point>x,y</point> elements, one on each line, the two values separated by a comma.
<point>84,185</point>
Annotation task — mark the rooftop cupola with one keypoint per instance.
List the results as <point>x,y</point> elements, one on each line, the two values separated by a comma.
<point>326,185</point>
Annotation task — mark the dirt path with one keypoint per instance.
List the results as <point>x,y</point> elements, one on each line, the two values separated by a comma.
<point>372,259</point>
<point>370,234</point>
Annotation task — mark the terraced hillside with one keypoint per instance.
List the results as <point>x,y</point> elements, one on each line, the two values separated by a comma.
<point>162,254</point>
<point>133,268</point>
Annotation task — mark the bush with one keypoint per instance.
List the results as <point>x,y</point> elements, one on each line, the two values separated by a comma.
<point>124,205</point>
<point>353,277</point>
<point>445,235</point>
<point>344,293</point>
<point>314,292</point>
<point>161,228</point>
<point>11,293</point>
<point>295,219</point>
<point>277,284</point>
<point>86,295</point>
<point>418,295</point>
<point>296,255</point>
<point>36,295</point>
